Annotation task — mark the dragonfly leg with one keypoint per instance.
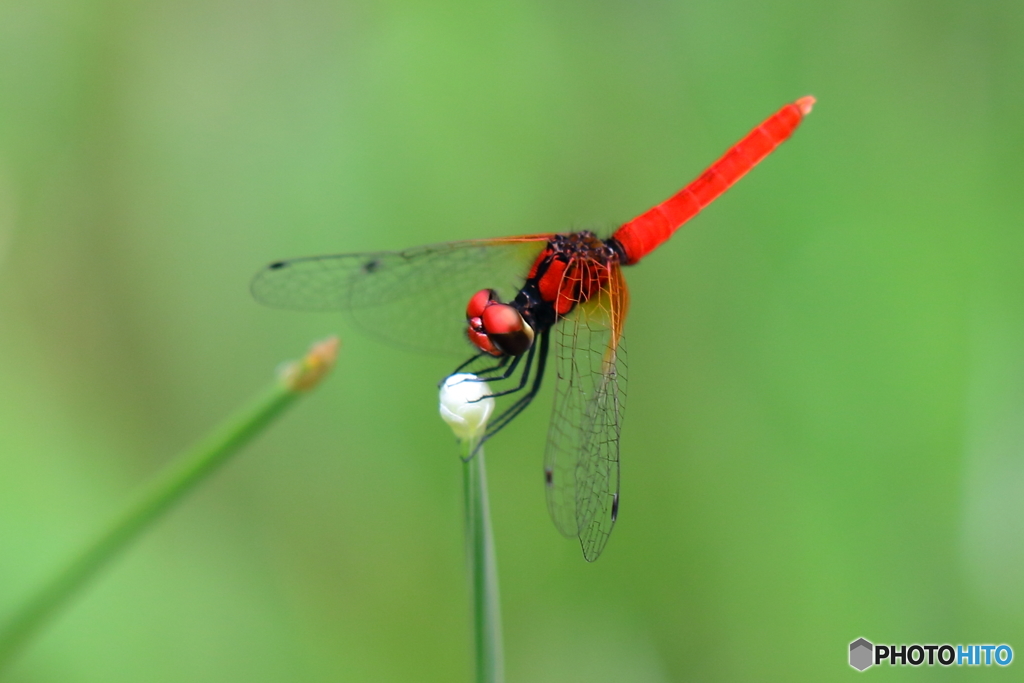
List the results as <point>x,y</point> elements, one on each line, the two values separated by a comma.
<point>505,375</point>
<point>508,373</point>
<point>524,377</point>
<point>471,359</point>
<point>504,361</point>
<point>523,401</point>
<point>520,405</point>
<point>485,371</point>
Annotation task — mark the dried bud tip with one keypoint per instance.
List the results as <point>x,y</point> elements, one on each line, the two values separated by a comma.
<point>304,374</point>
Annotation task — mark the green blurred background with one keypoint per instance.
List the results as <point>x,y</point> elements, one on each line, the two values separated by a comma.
<point>825,431</point>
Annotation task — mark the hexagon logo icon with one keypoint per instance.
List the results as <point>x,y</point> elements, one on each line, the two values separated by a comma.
<point>861,654</point>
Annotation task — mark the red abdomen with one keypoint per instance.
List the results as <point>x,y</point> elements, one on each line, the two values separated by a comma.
<point>646,232</point>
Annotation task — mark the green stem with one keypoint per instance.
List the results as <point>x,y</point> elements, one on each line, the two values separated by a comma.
<point>483,571</point>
<point>170,486</point>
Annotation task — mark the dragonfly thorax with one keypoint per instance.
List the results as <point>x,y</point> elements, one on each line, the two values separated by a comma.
<point>497,328</point>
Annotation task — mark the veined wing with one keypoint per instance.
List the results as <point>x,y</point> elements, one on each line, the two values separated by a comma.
<point>581,463</point>
<point>414,298</point>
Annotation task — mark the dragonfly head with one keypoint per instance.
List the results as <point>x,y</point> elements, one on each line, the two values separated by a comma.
<point>496,328</point>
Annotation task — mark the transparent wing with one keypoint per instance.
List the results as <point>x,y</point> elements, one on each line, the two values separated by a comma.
<point>581,463</point>
<point>414,298</point>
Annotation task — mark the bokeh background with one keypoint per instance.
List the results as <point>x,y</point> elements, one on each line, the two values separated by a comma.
<point>825,430</point>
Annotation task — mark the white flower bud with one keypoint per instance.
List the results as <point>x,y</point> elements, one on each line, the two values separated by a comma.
<point>464,407</point>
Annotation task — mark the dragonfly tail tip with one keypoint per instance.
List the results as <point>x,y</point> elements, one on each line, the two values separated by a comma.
<point>806,104</point>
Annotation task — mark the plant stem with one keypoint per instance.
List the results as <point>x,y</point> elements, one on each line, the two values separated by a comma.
<point>483,570</point>
<point>170,486</point>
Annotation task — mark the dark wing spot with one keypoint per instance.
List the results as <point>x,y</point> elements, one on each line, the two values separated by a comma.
<point>615,506</point>
<point>549,476</point>
<point>277,265</point>
<point>371,266</point>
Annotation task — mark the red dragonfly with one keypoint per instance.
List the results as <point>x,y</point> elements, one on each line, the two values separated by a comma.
<point>564,291</point>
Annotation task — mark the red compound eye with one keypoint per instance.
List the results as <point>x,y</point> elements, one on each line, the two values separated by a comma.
<point>482,342</point>
<point>502,319</point>
<point>478,302</point>
<point>506,329</point>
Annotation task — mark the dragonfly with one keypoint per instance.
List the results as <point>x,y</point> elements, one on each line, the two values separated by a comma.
<point>533,300</point>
